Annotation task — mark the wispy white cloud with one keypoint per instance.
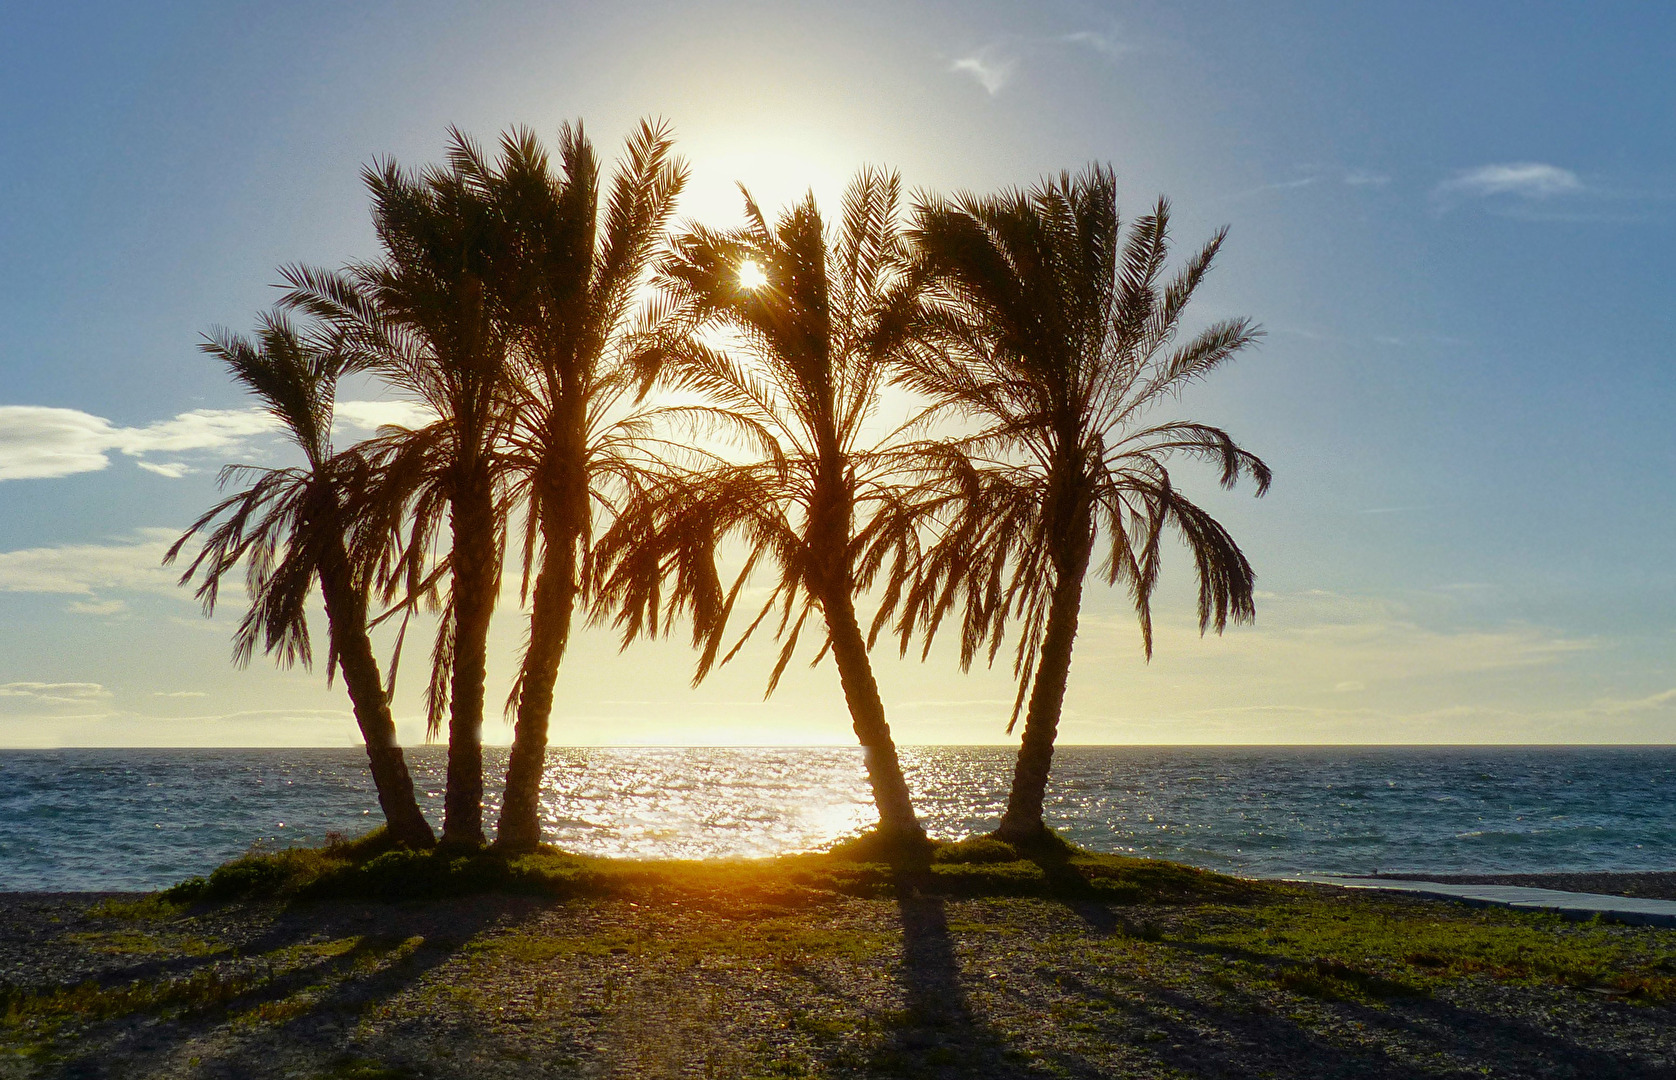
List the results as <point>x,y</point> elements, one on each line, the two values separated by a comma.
<point>1104,44</point>
<point>134,565</point>
<point>174,470</point>
<point>1522,179</point>
<point>26,694</point>
<point>54,691</point>
<point>98,607</point>
<point>1315,175</point>
<point>200,429</point>
<point>995,64</point>
<point>989,65</point>
<point>372,415</point>
<point>38,442</point>
<point>1535,191</point>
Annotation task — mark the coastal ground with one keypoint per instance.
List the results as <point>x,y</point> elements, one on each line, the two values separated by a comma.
<point>1645,885</point>
<point>729,977</point>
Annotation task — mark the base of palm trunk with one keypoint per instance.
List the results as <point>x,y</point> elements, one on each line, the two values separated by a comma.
<point>414,839</point>
<point>517,845</point>
<point>904,835</point>
<point>1024,832</point>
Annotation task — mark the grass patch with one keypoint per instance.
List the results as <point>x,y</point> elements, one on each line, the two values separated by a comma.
<point>371,868</point>
<point>152,908</point>
<point>136,943</point>
<point>1365,946</point>
<point>92,1002</point>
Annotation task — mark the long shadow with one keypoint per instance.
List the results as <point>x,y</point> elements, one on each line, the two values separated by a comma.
<point>344,983</point>
<point>1250,1040</point>
<point>939,1033</point>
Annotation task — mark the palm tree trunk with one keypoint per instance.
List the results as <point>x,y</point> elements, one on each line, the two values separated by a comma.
<point>550,615</point>
<point>474,585</point>
<point>346,612</point>
<point>1022,823</point>
<point>867,711</point>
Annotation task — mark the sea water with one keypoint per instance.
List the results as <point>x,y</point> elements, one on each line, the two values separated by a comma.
<point>142,819</point>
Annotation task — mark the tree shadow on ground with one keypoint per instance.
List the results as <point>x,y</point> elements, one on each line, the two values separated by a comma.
<point>1238,1034</point>
<point>306,978</point>
<point>938,1033</point>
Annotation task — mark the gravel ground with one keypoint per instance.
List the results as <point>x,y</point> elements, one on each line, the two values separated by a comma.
<point>1653,885</point>
<point>922,987</point>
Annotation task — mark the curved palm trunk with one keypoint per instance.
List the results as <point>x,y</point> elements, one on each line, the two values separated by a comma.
<point>867,711</point>
<point>1022,822</point>
<point>550,615</point>
<point>346,612</point>
<point>473,519</point>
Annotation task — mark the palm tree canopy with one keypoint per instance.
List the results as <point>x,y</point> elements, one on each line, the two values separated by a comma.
<point>575,437</point>
<point>284,521</point>
<point>429,317</point>
<point>790,367</point>
<point>1059,335</point>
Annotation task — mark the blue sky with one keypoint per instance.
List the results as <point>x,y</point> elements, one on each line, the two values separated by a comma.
<point>1455,221</point>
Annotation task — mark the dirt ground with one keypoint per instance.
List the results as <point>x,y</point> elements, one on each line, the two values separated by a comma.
<point>920,986</point>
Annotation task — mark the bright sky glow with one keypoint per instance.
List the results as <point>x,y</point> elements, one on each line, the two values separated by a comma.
<point>1454,223</point>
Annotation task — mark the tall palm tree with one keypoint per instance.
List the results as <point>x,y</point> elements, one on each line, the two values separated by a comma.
<point>1058,336</point>
<point>572,437</point>
<point>425,318</point>
<point>811,323</point>
<point>290,528</point>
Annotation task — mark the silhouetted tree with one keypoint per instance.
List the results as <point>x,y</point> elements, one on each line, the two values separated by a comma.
<point>290,528</point>
<point>1057,336</point>
<point>573,439</point>
<point>424,316</point>
<point>785,335</point>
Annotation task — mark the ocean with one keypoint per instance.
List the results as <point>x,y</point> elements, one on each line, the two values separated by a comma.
<point>143,819</point>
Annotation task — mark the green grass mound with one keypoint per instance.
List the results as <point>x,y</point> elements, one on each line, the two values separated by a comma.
<point>871,865</point>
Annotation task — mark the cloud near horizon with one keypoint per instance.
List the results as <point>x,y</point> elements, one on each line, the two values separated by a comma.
<point>63,692</point>
<point>43,443</point>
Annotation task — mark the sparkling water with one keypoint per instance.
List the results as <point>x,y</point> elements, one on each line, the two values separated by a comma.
<point>141,819</point>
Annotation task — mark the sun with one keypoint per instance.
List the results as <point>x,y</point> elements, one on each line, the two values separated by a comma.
<point>751,275</point>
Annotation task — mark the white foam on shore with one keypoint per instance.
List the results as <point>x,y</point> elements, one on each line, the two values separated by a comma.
<point>1631,910</point>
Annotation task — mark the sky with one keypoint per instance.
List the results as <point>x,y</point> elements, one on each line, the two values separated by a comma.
<point>1454,221</point>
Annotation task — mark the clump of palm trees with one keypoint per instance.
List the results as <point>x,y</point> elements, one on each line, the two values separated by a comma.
<point>646,419</point>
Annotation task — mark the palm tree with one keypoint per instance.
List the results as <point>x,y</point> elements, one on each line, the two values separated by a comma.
<point>813,323</point>
<point>572,442</point>
<point>290,528</point>
<point>425,318</point>
<point>1058,336</point>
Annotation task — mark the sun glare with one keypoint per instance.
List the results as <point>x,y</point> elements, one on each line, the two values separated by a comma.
<point>751,275</point>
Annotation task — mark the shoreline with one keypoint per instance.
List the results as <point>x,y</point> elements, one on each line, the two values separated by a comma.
<point>1637,884</point>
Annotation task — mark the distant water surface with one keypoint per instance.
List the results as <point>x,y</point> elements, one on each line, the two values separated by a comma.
<point>142,819</point>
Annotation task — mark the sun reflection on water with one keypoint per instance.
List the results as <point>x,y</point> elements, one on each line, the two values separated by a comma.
<point>680,803</point>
